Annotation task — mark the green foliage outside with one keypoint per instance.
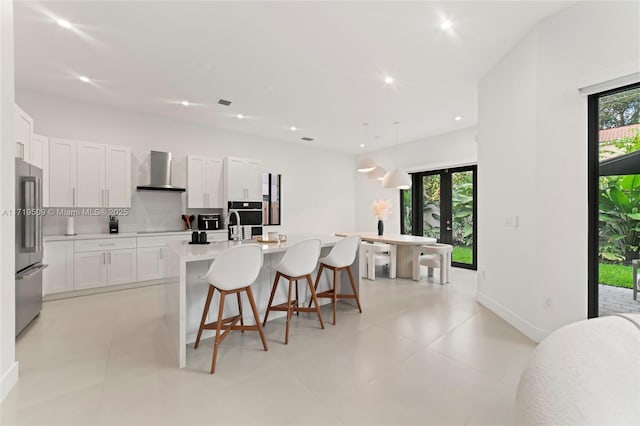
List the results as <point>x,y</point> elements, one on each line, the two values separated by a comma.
<point>619,215</point>
<point>616,275</point>
<point>462,255</point>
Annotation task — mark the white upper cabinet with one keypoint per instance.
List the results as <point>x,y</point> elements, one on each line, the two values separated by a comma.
<point>118,176</point>
<point>63,173</point>
<point>23,132</point>
<point>91,179</point>
<point>243,179</point>
<point>204,182</point>
<point>87,174</point>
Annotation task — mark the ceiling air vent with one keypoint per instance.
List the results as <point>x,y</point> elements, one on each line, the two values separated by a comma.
<point>307,139</point>
<point>224,102</point>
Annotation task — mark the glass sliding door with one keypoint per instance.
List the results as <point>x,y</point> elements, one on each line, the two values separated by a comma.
<point>461,232</point>
<point>447,200</point>
<point>614,200</point>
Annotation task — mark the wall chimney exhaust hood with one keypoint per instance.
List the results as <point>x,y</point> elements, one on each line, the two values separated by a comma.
<point>160,173</point>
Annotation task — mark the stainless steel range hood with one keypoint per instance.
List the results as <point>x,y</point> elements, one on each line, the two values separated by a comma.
<point>160,173</point>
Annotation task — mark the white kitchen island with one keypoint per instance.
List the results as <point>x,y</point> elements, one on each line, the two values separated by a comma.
<point>185,297</point>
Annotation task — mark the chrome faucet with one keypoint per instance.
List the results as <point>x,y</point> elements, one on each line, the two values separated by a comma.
<point>234,230</point>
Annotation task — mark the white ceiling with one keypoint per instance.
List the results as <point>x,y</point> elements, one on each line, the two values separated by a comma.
<point>316,65</point>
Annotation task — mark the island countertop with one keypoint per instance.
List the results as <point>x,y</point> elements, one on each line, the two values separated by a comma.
<point>185,297</point>
<point>197,252</point>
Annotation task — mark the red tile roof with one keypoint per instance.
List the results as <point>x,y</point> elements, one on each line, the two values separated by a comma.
<point>618,133</point>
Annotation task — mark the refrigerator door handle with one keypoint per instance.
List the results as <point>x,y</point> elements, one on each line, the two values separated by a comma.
<point>29,237</point>
<point>38,215</point>
<point>31,272</point>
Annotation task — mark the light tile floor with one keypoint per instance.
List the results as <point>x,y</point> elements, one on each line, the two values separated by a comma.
<point>419,354</point>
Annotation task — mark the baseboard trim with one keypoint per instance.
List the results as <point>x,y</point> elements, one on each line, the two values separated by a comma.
<point>532,332</point>
<point>8,380</point>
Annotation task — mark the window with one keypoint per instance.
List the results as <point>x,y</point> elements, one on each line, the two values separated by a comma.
<point>271,208</point>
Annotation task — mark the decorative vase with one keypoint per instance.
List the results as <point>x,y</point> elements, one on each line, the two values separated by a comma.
<point>380,227</point>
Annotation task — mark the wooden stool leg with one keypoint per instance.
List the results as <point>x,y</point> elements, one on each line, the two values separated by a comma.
<point>255,316</point>
<point>317,281</point>
<point>286,336</point>
<point>207,304</point>
<point>315,300</point>
<point>353,286</point>
<point>273,293</point>
<point>240,310</point>
<point>335,293</point>
<point>297,300</point>
<point>218,327</point>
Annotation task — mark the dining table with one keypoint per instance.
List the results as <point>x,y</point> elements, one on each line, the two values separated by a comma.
<point>404,247</point>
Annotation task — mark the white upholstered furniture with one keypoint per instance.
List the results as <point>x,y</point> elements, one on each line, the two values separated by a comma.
<point>377,254</point>
<point>403,243</point>
<point>587,373</point>
<point>433,256</point>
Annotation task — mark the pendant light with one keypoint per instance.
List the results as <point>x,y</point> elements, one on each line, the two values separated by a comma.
<point>366,164</point>
<point>379,171</point>
<point>396,178</point>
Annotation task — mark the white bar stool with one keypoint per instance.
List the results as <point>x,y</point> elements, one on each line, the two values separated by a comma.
<point>233,271</point>
<point>377,254</point>
<point>437,256</point>
<point>341,256</point>
<point>298,263</point>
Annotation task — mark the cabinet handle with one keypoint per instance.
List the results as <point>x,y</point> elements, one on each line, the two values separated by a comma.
<point>104,257</point>
<point>109,258</point>
<point>107,198</point>
<point>73,201</point>
<point>161,253</point>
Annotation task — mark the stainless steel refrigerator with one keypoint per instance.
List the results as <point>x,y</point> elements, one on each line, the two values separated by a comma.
<point>28,238</point>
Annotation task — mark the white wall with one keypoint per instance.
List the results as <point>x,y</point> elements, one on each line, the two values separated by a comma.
<point>317,185</point>
<point>8,365</point>
<point>437,152</point>
<point>532,156</point>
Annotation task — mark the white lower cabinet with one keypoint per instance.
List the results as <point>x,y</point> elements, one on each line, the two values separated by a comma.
<point>87,264</point>
<point>90,269</point>
<point>153,260</point>
<point>102,268</point>
<point>121,266</point>
<point>58,277</point>
<point>150,263</point>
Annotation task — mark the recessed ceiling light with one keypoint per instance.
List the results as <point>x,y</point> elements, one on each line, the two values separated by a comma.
<point>388,80</point>
<point>293,128</point>
<point>185,103</point>
<point>240,116</point>
<point>307,139</point>
<point>84,79</point>
<point>63,23</point>
<point>362,145</point>
<point>457,118</point>
<point>446,24</point>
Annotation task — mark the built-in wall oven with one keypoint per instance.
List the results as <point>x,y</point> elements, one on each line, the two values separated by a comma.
<point>250,213</point>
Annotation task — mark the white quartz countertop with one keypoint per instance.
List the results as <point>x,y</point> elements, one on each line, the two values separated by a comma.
<point>122,235</point>
<point>195,252</point>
